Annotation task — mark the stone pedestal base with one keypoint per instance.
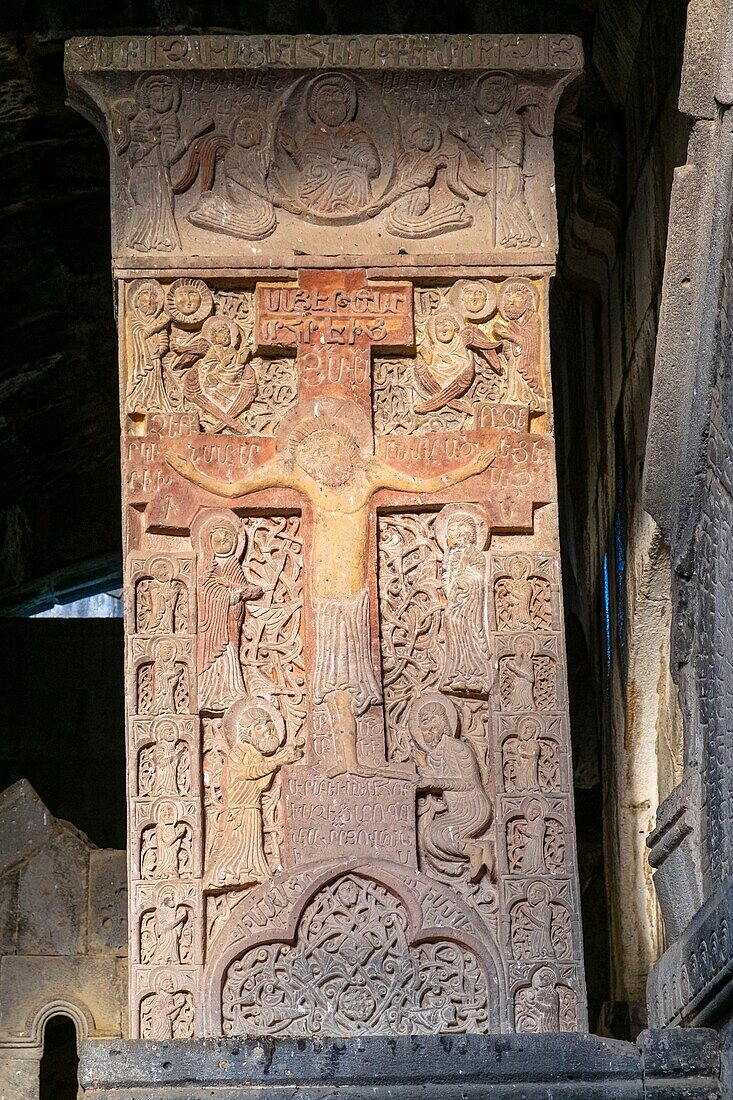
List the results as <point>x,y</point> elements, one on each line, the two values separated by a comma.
<point>661,1066</point>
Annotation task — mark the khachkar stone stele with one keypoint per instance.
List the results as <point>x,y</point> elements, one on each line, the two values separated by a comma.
<point>350,802</point>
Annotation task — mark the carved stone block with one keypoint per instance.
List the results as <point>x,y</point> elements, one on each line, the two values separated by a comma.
<point>675,852</point>
<point>349,780</point>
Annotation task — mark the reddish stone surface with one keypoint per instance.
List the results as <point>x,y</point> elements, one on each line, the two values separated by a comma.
<point>350,796</point>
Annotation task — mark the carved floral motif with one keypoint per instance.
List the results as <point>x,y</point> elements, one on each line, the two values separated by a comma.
<point>353,971</point>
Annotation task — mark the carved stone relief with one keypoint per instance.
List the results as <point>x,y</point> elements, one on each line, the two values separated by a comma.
<point>347,742</point>
<point>411,157</point>
<point>163,677</point>
<point>354,971</point>
<point>546,1004</point>
<point>254,735</point>
<point>476,363</point>
<point>191,355</point>
<point>465,783</point>
<point>167,1012</point>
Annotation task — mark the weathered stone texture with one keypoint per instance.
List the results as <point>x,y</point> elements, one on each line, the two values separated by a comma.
<point>606,308</point>
<point>52,956</point>
<point>689,484</point>
<point>662,1066</point>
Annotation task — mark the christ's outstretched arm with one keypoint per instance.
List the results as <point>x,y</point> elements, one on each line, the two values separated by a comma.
<point>267,476</point>
<point>390,478</point>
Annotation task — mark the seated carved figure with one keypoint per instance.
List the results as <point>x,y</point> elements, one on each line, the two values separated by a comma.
<point>458,812</point>
<point>336,162</point>
<point>445,366</point>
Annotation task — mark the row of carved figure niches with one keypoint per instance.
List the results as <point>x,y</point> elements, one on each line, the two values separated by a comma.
<point>337,163</point>
<point>193,363</point>
<point>474,685</point>
<point>164,803</point>
<point>206,630</point>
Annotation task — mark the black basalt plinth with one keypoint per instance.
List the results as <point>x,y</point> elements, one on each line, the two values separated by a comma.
<point>662,1065</point>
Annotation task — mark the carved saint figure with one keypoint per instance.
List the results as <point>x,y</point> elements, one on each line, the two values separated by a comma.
<point>223,594</point>
<point>165,934</point>
<point>167,847</point>
<point>462,533</point>
<point>255,732</point>
<point>222,384</point>
<point>514,597</point>
<point>540,928</point>
<point>148,328</point>
<point>520,329</point>
<point>498,140</point>
<point>163,685</point>
<point>237,202</point>
<point>168,1013</point>
<point>165,766</point>
<point>325,451</point>
<point>444,366</point>
<point>458,813</point>
<point>537,1007</point>
<point>522,757</point>
<point>161,605</point>
<point>155,144</point>
<point>336,161</point>
<point>519,676</point>
<point>527,842</point>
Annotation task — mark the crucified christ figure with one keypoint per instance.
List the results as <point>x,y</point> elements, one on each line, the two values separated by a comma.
<point>325,451</point>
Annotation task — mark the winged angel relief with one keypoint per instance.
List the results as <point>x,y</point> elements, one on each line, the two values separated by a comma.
<point>331,150</point>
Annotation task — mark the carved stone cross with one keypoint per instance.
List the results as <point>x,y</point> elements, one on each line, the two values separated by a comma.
<point>348,743</point>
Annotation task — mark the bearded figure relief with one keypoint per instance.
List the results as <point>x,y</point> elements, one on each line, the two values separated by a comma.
<point>336,162</point>
<point>463,534</point>
<point>223,594</point>
<point>255,732</point>
<point>457,812</point>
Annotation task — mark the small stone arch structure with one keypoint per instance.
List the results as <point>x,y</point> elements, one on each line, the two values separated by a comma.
<point>65,954</point>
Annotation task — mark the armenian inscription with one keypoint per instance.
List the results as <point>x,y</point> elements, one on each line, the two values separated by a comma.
<point>350,801</point>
